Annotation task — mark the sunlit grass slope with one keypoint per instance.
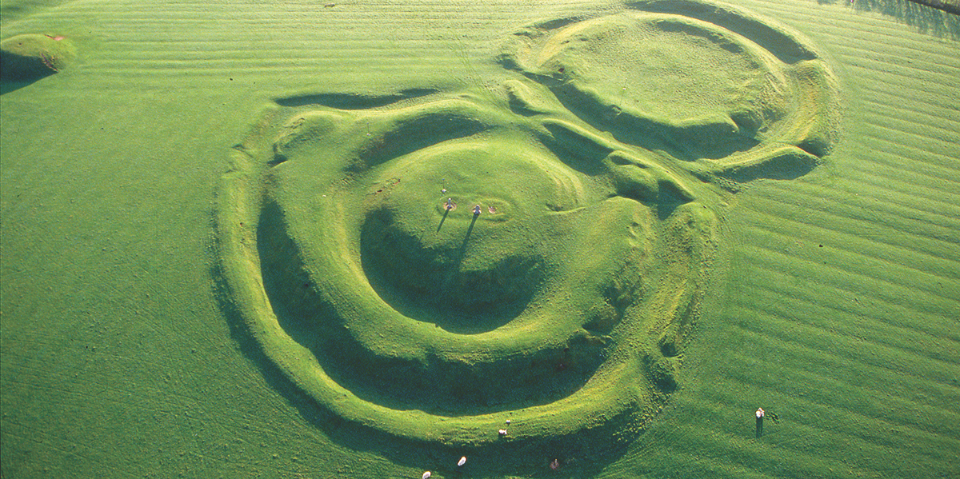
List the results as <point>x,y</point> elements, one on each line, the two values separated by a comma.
<point>833,305</point>
<point>841,313</point>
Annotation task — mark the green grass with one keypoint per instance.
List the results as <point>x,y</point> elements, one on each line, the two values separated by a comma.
<point>437,325</point>
<point>832,299</point>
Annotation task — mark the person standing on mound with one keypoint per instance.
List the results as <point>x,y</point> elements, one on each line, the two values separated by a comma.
<point>760,415</point>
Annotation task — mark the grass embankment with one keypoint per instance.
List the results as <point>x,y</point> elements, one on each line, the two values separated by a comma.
<point>435,265</point>
<point>496,323</point>
<point>951,6</point>
<point>771,108</point>
<point>29,57</point>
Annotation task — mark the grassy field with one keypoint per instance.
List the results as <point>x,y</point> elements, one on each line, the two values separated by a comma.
<point>770,221</point>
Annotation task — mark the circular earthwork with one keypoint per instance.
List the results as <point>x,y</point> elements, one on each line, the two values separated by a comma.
<point>433,264</point>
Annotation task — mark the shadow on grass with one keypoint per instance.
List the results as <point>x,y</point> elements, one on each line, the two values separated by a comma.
<point>581,454</point>
<point>463,246</point>
<point>7,86</point>
<point>445,213</point>
<point>346,101</point>
<point>935,17</point>
<point>345,433</point>
<point>582,458</point>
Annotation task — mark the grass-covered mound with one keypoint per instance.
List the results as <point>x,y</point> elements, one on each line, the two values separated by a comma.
<point>433,267</point>
<point>430,265</point>
<point>721,87</point>
<point>29,57</point>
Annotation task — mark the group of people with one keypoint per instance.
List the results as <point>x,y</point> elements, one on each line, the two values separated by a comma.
<point>451,205</point>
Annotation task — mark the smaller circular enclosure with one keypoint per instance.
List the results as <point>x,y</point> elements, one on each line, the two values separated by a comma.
<point>665,67</point>
<point>715,87</point>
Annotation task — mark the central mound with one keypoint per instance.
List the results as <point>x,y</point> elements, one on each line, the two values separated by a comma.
<point>446,280</point>
<point>460,242</point>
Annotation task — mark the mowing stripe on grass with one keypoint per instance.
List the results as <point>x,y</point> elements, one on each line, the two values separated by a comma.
<point>822,242</point>
<point>858,352</point>
<point>801,370</point>
<point>835,315</point>
<point>858,217</point>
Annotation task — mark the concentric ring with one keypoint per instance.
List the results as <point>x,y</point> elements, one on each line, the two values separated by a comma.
<point>718,87</point>
<point>429,265</point>
<point>554,361</point>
